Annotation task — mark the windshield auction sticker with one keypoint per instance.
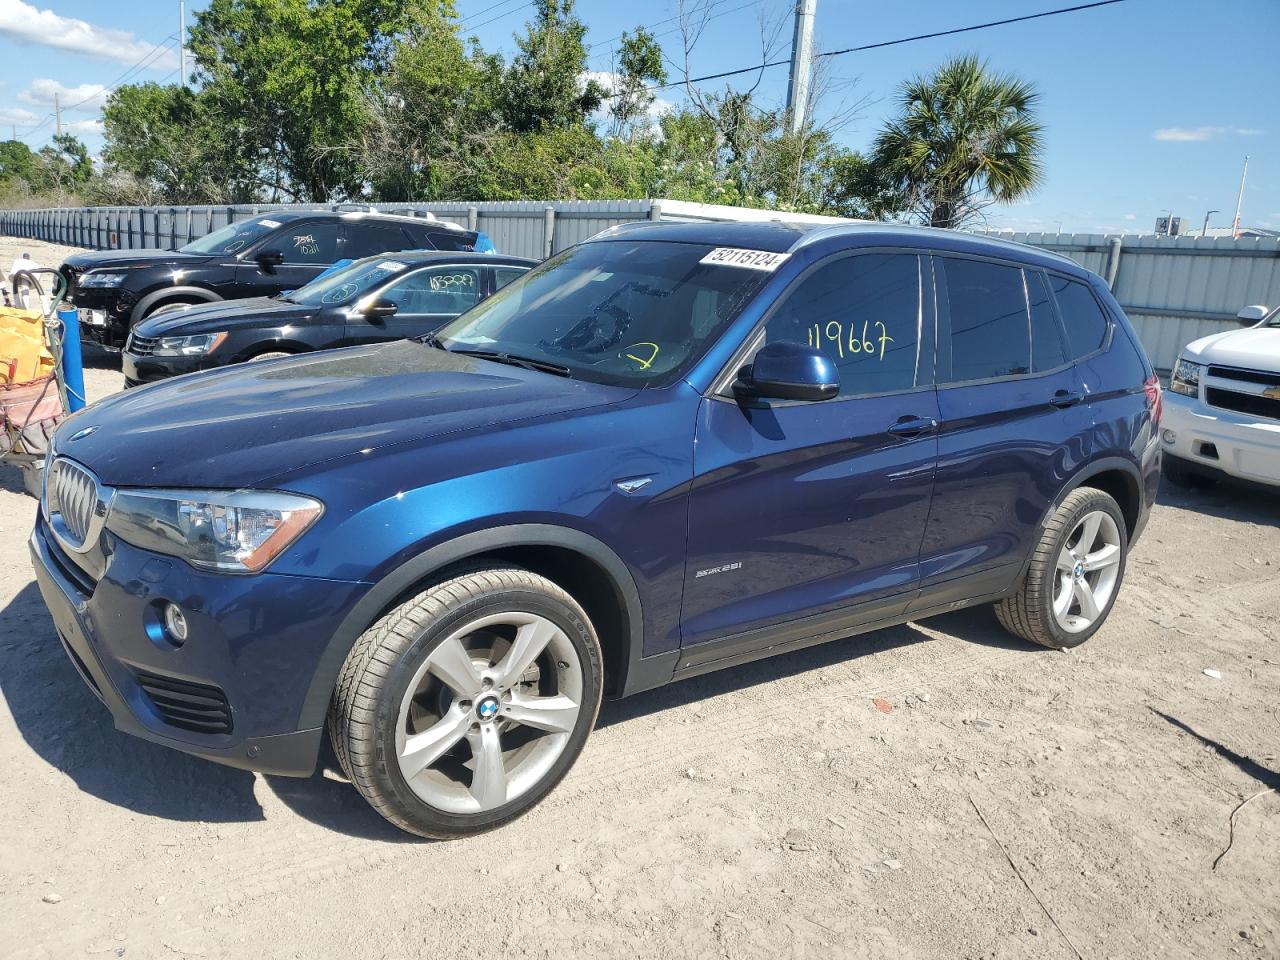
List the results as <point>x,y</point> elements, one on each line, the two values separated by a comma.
<point>751,259</point>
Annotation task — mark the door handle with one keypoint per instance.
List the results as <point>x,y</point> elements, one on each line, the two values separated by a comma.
<point>908,427</point>
<point>1066,398</point>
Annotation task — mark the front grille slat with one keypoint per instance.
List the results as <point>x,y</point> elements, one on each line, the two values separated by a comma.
<point>73,499</point>
<point>1252,404</point>
<point>198,707</point>
<point>141,346</point>
<point>1264,377</point>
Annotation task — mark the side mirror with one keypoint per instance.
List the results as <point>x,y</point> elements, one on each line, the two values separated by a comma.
<point>788,371</point>
<point>1251,315</point>
<point>379,309</point>
<point>268,260</point>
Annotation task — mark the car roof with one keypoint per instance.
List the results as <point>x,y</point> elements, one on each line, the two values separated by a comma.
<point>289,216</point>
<point>416,257</point>
<point>782,236</point>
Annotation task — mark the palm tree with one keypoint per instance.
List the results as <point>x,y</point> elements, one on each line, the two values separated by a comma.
<point>966,138</point>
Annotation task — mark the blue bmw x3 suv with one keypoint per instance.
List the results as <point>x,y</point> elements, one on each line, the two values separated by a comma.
<point>670,449</point>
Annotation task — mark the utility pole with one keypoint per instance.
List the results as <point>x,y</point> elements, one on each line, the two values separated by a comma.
<point>1235,224</point>
<point>801,65</point>
<point>182,43</point>
<point>1205,229</point>
<point>57,114</point>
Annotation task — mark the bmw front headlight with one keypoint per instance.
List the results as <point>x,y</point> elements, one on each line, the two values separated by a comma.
<point>195,345</point>
<point>238,531</point>
<point>101,278</point>
<point>1186,378</point>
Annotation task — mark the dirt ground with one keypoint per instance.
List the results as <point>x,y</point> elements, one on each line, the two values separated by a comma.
<point>1015,802</point>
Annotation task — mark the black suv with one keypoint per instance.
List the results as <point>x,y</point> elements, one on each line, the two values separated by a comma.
<point>261,256</point>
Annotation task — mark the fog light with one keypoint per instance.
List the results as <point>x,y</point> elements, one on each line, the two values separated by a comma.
<point>175,623</point>
<point>1169,436</point>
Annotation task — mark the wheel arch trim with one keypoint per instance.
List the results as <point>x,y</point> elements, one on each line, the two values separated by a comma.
<point>164,293</point>
<point>420,567</point>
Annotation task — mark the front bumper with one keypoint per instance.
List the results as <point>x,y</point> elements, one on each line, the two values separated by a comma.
<point>254,640</point>
<point>139,370</point>
<point>104,313</point>
<point>1215,440</point>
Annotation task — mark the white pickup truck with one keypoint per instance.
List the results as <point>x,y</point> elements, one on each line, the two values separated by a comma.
<point>1222,409</point>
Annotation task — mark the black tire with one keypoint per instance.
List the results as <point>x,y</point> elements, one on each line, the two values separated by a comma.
<point>1028,613</point>
<point>1177,472</point>
<point>365,708</point>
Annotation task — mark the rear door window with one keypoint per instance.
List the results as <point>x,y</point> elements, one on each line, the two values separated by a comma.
<point>1047,350</point>
<point>459,242</point>
<point>370,239</point>
<point>990,329</point>
<point>504,275</point>
<point>1082,316</point>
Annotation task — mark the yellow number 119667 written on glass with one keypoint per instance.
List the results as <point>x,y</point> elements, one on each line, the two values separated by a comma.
<point>834,331</point>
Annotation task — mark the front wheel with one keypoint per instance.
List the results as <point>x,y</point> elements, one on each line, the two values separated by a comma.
<point>463,707</point>
<point>1074,575</point>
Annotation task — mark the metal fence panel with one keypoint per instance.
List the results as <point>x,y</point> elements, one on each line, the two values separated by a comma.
<point>1173,289</point>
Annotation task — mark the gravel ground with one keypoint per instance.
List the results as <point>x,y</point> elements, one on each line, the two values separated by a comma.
<point>1014,802</point>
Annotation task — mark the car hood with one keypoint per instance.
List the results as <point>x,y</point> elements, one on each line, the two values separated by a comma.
<point>107,259</point>
<point>222,315</point>
<point>246,424</point>
<point>1255,348</point>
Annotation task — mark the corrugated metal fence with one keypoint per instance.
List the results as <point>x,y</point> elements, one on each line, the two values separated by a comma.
<point>1178,289</point>
<point>1174,290</point>
<point>521,228</point>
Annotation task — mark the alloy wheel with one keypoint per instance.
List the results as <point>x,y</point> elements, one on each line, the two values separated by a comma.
<point>1088,570</point>
<point>489,712</point>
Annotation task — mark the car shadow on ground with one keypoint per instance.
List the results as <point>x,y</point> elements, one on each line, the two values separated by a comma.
<point>1226,499</point>
<point>66,726</point>
<point>977,625</point>
<point>94,357</point>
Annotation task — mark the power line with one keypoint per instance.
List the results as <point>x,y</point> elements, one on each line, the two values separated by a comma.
<point>883,43</point>
<point>495,6</point>
<point>706,8</point>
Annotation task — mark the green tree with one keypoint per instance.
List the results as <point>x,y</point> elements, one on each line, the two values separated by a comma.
<point>288,78</point>
<point>639,67</point>
<point>543,87</point>
<point>17,162</point>
<point>168,144</point>
<point>966,138</point>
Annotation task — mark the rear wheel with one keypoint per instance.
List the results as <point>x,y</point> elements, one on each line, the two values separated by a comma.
<point>1074,575</point>
<point>464,707</point>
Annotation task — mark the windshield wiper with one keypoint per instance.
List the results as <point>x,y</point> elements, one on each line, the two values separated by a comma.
<point>431,340</point>
<point>529,363</point>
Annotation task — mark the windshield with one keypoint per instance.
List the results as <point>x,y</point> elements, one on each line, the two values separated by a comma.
<point>1273,320</point>
<point>344,285</point>
<point>233,237</point>
<point>623,312</point>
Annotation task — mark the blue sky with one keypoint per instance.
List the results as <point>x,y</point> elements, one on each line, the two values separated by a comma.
<point>1149,105</point>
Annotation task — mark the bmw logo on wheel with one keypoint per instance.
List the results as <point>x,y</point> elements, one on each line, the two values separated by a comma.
<point>487,708</point>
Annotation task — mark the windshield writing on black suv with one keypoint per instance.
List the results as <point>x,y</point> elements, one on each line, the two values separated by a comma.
<point>342,286</point>
<point>232,238</point>
<point>613,311</point>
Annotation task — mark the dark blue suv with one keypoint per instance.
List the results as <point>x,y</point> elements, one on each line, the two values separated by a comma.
<point>671,449</point>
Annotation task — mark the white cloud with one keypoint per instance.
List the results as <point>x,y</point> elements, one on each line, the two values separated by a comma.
<point>657,109</point>
<point>1196,134</point>
<point>11,116</point>
<point>1131,216</point>
<point>87,96</point>
<point>28,24</point>
<point>83,127</point>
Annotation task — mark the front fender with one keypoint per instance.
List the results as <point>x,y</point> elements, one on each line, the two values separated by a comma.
<point>199,294</point>
<point>640,672</point>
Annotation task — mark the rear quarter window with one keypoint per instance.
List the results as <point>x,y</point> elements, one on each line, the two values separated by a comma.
<point>1082,316</point>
